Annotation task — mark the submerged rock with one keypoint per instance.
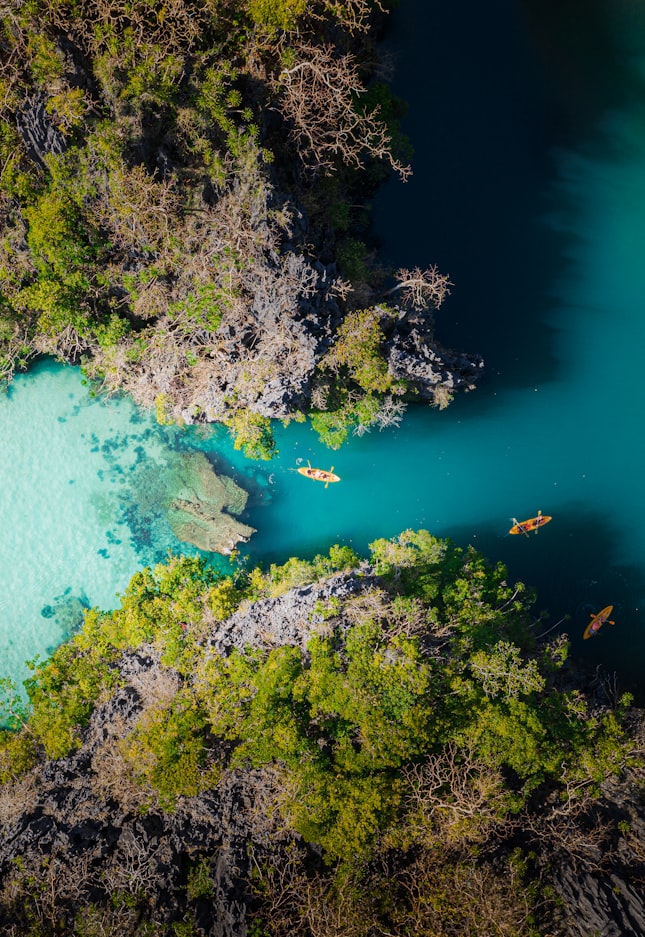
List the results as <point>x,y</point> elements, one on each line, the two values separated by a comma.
<point>201,511</point>
<point>67,612</point>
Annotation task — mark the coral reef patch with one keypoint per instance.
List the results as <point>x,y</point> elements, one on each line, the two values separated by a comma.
<point>202,510</point>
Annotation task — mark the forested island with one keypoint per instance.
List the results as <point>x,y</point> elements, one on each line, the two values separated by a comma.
<point>182,192</point>
<point>343,746</point>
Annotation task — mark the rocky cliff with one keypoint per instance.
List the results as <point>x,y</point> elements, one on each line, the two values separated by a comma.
<point>83,840</point>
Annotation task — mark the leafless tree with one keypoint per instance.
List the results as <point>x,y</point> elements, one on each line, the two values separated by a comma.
<point>322,905</point>
<point>448,896</point>
<point>134,867</point>
<point>320,97</point>
<point>46,887</point>
<point>390,412</point>
<point>67,344</point>
<point>454,797</point>
<point>421,288</point>
<point>353,15</point>
<point>17,798</point>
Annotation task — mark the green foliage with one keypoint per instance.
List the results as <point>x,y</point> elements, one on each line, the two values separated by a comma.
<point>352,259</point>
<point>416,719</point>
<point>68,108</point>
<point>276,14</point>
<point>56,233</point>
<point>218,99</point>
<point>166,750</point>
<point>159,606</point>
<point>222,599</point>
<point>200,884</point>
<point>163,605</point>
<point>154,76</point>
<point>62,694</point>
<point>110,333</point>
<point>501,671</point>
<point>332,427</point>
<point>340,720</point>
<point>12,708</point>
<point>56,304</point>
<point>252,433</point>
<point>163,409</point>
<point>203,307</point>
<point>297,572</point>
<point>46,61</point>
<point>17,754</point>
<point>416,558</point>
<point>356,360</point>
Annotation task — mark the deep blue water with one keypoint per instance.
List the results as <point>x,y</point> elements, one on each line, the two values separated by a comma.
<point>528,126</point>
<point>529,190</point>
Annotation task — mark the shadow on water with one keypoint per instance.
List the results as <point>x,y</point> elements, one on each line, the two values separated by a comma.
<point>482,118</point>
<point>586,47</point>
<point>526,118</point>
<point>492,90</point>
<point>572,582</point>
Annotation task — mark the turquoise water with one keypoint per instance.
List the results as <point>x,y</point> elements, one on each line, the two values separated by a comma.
<point>529,190</point>
<point>81,489</point>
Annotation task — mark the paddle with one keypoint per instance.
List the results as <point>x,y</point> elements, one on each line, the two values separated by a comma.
<point>537,525</point>
<point>521,526</point>
<point>330,472</point>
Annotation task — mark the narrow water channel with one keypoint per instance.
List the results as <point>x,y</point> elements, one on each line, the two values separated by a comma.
<point>528,124</point>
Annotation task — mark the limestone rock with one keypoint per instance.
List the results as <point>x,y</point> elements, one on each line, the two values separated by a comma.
<point>414,356</point>
<point>201,512</point>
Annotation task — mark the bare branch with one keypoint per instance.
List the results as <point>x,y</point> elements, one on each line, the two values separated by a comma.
<point>422,288</point>
<point>320,98</point>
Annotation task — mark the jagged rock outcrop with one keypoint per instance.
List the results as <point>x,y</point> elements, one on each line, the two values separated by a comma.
<point>288,619</point>
<point>90,834</point>
<point>202,510</point>
<point>83,821</point>
<point>414,356</point>
<point>84,826</point>
<point>609,899</point>
<point>38,131</point>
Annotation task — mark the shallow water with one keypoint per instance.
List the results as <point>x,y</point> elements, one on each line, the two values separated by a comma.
<point>529,190</point>
<point>81,489</point>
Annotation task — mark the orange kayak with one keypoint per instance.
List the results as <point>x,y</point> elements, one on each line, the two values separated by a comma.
<point>598,620</point>
<point>533,523</point>
<point>319,475</point>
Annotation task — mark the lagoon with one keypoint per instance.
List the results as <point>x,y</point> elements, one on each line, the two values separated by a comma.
<point>529,190</point>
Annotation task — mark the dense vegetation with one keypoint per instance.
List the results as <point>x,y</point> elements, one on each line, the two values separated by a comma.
<point>180,209</point>
<point>414,736</point>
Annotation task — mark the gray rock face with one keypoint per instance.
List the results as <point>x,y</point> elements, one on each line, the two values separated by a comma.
<point>201,511</point>
<point>415,357</point>
<point>97,847</point>
<point>291,618</point>
<point>100,835</point>
<point>37,130</point>
<point>606,905</point>
<point>608,900</point>
<point>86,829</point>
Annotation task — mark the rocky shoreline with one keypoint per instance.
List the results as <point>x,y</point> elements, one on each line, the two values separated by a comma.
<point>79,835</point>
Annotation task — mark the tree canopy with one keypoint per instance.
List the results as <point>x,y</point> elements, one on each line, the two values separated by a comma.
<point>415,716</point>
<point>179,207</point>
